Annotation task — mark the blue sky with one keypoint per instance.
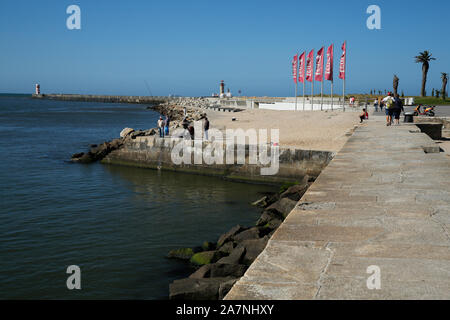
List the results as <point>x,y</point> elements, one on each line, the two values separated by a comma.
<point>187,47</point>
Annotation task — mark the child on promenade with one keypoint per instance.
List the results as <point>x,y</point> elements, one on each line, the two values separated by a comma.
<point>364,115</point>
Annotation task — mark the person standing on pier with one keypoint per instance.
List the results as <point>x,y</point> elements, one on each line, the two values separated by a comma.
<point>166,126</point>
<point>161,127</point>
<point>206,128</point>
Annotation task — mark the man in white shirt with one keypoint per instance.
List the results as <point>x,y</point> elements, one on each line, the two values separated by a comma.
<point>161,127</point>
<point>389,106</point>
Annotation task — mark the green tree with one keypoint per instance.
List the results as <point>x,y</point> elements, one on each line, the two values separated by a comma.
<point>444,77</point>
<point>432,93</point>
<point>424,58</point>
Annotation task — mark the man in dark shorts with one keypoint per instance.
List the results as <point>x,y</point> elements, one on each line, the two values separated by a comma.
<point>397,109</point>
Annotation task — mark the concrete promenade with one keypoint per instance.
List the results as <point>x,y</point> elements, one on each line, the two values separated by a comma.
<point>382,201</point>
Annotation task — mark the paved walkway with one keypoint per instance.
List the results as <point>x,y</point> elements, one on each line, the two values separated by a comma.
<point>381,202</point>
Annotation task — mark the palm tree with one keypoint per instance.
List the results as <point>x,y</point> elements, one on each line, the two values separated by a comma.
<point>424,58</point>
<point>444,77</point>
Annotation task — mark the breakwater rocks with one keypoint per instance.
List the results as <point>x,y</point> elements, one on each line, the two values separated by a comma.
<point>176,113</point>
<point>103,98</point>
<point>98,152</point>
<point>220,264</point>
<point>193,109</point>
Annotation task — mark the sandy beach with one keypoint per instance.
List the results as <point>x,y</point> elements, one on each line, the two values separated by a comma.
<point>326,131</point>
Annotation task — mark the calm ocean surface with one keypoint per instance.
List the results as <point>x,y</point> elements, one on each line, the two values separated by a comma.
<point>116,223</point>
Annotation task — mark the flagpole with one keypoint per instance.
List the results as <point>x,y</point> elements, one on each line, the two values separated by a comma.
<point>321,95</point>
<point>296,87</point>
<point>303,94</point>
<point>343,96</point>
<point>312,94</point>
<point>345,76</point>
<point>331,94</point>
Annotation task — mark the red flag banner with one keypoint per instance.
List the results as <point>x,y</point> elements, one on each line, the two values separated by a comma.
<point>329,67</point>
<point>301,73</point>
<point>294,68</point>
<point>319,65</point>
<point>343,61</point>
<point>310,66</point>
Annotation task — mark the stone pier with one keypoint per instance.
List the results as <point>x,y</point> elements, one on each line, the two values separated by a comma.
<point>379,211</point>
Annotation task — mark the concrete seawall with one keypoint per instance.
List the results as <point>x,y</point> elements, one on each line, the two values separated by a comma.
<point>103,98</point>
<point>379,210</point>
<point>155,153</point>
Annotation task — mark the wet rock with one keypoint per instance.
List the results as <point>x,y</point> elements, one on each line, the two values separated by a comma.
<point>83,158</point>
<point>229,235</point>
<point>252,249</point>
<point>182,253</point>
<point>272,199</point>
<point>78,155</point>
<point>252,233</point>
<point>227,270</point>
<point>226,248</point>
<point>295,192</point>
<point>196,289</point>
<point>266,217</point>
<point>203,258</point>
<point>203,272</point>
<point>98,152</point>
<point>225,287</point>
<point>282,207</point>
<point>262,203</point>
<point>208,246</point>
<point>234,257</point>
<point>273,224</point>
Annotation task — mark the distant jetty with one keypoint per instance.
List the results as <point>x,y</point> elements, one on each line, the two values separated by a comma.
<point>103,98</point>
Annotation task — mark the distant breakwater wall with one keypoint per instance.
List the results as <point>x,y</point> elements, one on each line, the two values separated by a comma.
<point>155,153</point>
<point>103,98</point>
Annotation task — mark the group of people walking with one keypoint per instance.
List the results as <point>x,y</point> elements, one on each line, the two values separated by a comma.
<point>393,106</point>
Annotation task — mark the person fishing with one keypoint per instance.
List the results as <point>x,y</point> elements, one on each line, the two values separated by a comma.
<point>161,127</point>
<point>206,128</point>
<point>166,125</point>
